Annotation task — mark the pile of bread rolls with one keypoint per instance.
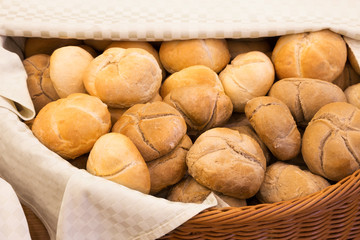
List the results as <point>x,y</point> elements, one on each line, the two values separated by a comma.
<point>248,120</point>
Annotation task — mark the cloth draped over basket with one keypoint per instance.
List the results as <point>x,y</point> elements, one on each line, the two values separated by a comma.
<point>76,205</point>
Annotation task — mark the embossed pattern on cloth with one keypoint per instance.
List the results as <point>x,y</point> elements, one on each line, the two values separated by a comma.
<point>171,19</point>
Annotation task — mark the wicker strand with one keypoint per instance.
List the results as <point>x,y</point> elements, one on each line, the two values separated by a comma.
<point>333,213</point>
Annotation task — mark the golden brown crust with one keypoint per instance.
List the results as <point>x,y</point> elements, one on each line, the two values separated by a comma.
<point>116,158</point>
<point>249,75</point>
<point>123,77</point>
<point>139,44</point>
<point>191,76</point>
<point>305,96</point>
<point>320,55</point>
<point>188,191</point>
<point>179,54</point>
<point>274,124</point>
<point>70,126</point>
<point>39,84</point>
<point>331,139</point>
<point>247,129</point>
<point>170,168</point>
<point>284,182</point>
<point>156,128</point>
<point>67,67</point>
<point>202,107</point>
<point>116,113</point>
<point>227,162</point>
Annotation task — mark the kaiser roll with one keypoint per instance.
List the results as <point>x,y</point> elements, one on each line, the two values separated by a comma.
<point>70,126</point>
<point>284,182</point>
<point>249,75</point>
<point>320,55</point>
<point>170,168</point>
<point>39,84</point>
<point>139,44</point>
<point>116,158</point>
<point>274,124</point>
<point>305,96</point>
<point>202,107</point>
<point>190,191</point>
<point>123,77</point>
<point>330,145</point>
<point>67,67</point>
<point>191,76</point>
<point>228,162</point>
<point>155,128</point>
<point>179,54</point>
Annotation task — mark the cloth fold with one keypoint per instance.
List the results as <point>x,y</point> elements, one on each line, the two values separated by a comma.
<point>95,208</point>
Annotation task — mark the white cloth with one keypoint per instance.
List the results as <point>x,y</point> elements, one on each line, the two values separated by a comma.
<point>13,224</point>
<point>95,208</point>
<point>174,19</point>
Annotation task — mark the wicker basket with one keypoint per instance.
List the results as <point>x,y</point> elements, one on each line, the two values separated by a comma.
<point>333,213</point>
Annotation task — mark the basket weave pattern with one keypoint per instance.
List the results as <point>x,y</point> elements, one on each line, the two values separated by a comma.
<point>333,213</point>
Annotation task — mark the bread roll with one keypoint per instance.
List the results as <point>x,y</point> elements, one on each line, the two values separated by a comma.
<point>246,129</point>
<point>320,55</point>
<point>240,123</point>
<point>70,126</point>
<point>38,81</point>
<point>240,46</point>
<point>46,45</point>
<point>284,182</point>
<point>99,45</point>
<point>352,94</point>
<point>179,54</point>
<point>305,96</point>
<point>274,124</point>
<point>170,168</point>
<point>249,75</point>
<point>227,162</point>
<point>330,145</point>
<point>116,113</point>
<point>202,107</point>
<point>139,44</point>
<point>123,77</point>
<point>347,78</point>
<point>190,191</point>
<point>156,128</point>
<point>67,67</point>
<point>353,61</point>
<point>191,76</point>
<point>116,158</point>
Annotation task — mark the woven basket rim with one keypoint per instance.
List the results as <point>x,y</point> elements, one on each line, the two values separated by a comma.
<point>349,186</point>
